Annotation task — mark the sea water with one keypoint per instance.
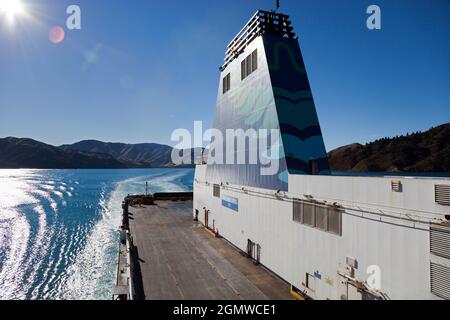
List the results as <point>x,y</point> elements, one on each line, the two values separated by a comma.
<point>58,228</point>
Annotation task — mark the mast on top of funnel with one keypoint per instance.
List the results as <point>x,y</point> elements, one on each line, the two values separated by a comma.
<point>277,6</point>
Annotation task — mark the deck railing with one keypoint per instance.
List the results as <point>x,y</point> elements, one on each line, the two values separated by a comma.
<point>262,22</point>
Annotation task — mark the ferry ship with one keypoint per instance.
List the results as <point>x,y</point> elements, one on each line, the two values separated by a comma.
<point>329,237</point>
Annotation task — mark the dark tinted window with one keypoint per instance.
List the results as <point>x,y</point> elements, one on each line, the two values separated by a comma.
<point>243,69</point>
<point>255,60</point>
<point>226,85</point>
<point>249,64</point>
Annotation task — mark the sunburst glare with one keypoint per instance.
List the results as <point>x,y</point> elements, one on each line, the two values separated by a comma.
<point>11,9</point>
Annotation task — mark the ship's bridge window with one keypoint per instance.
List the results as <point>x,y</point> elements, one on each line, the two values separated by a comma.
<point>249,64</point>
<point>226,84</point>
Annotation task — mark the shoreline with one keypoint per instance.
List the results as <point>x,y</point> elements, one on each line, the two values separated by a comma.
<point>334,173</point>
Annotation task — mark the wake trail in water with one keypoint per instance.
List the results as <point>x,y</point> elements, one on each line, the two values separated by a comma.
<point>14,236</point>
<point>59,229</point>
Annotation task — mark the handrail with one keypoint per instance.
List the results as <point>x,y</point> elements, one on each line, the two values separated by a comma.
<point>262,22</point>
<point>130,269</point>
<point>124,270</point>
<point>368,209</point>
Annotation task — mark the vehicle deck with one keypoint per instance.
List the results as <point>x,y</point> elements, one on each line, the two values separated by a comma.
<point>178,259</point>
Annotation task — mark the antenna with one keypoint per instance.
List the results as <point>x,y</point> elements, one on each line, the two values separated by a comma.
<point>277,6</point>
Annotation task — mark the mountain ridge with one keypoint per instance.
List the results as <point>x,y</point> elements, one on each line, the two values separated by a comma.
<point>26,153</point>
<point>141,155</point>
<point>427,151</point>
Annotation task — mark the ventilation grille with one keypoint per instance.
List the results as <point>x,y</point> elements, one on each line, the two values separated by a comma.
<point>297,215</point>
<point>396,186</point>
<point>216,191</point>
<point>320,216</point>
<point>308,214</point>
<point>335,221</point>
<point>440,240</point>
<point>442,194</point>
<point>440,281</point>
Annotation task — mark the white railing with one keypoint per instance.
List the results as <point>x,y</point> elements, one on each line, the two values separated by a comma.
<point>262,22</point>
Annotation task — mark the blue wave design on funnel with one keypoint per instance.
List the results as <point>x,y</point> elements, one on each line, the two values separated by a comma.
<point>306,150</point>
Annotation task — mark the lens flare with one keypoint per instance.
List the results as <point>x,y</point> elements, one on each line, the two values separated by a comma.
<point>56,34</point>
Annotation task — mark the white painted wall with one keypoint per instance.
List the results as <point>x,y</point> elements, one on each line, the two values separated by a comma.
<point>400,247</point>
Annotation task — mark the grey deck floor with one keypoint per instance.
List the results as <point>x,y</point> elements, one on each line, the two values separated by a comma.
<point>180,260</point>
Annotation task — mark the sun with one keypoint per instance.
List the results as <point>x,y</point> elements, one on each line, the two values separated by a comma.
<point>11,8</point>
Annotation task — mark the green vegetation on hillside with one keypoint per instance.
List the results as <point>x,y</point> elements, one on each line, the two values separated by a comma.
<point>418,152</point>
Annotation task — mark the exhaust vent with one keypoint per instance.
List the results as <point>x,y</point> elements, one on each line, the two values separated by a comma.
<point>442,194</point>
<point>440,240</point>
<point>440,281</point>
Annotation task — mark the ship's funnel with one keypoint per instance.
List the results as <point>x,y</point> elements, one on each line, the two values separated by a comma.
<point>264,86</point>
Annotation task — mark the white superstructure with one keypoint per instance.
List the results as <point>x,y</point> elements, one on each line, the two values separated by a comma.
<point>380,248</point>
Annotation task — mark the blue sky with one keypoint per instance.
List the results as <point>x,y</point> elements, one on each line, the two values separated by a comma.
<point>139,69</point>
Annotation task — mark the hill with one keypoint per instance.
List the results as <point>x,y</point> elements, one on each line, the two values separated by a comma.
<point>17,153</point>
<point>138,155</point>
<point>418,152</point>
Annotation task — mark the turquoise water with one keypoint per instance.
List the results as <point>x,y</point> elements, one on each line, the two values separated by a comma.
<point>58,228</point>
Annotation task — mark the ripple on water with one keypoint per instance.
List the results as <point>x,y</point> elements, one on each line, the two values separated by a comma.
<point>58,229</point>
<point>17,231</point>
